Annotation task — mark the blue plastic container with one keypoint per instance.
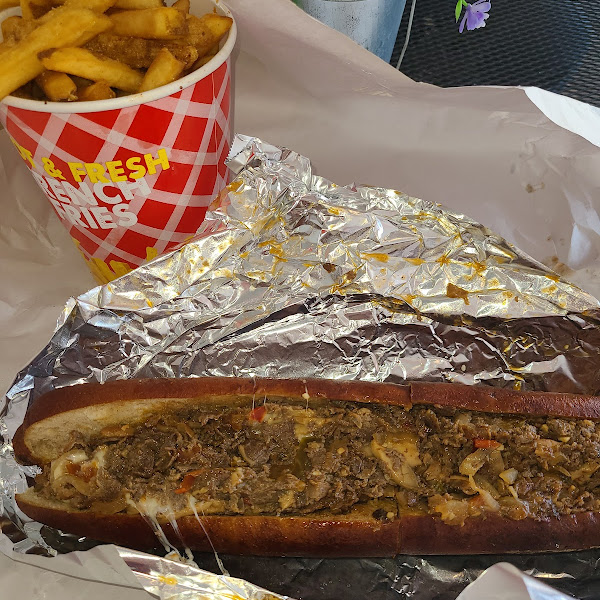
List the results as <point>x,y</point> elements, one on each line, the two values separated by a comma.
<point>373,24</point>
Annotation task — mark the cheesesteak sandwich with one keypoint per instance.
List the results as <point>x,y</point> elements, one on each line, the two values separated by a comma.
<point>321,468</point>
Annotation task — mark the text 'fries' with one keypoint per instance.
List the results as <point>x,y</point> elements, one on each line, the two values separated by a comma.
<point>138,46</point>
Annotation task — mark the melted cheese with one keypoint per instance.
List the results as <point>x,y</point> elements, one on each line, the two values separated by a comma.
<point>305,421</point>
<point>59,466</point>
<point>399,470</point>
<point>407,447</point>
<point>192,505</point>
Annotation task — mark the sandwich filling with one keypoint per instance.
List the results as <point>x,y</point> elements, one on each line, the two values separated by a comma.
<point>284,458</point>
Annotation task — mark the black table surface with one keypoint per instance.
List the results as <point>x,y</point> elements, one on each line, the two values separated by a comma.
<point>550,44</point>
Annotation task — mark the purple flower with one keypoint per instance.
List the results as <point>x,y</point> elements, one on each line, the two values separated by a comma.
<point>475,15</point>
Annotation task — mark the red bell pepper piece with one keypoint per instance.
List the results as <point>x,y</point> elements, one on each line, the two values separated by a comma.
<point>188,482</point>
<point>258,414</point>
<point>488,444</point>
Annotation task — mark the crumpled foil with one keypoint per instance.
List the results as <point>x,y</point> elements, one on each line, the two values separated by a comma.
<point>294,276</point>
<point>177,580</point>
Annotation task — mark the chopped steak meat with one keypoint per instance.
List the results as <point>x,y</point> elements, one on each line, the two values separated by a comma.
<point>289,459</point>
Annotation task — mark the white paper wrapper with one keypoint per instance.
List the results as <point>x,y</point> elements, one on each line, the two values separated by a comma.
<point>120,573</point>
<point>94,575</point>
<point>489,153</point>
<point>505,582</point>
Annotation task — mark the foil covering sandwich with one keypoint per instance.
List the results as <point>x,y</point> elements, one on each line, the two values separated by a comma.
<point>350,283</point>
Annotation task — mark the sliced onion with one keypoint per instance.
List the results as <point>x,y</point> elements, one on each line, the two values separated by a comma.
<point>495,461</point>
<point>585,472</point>
<point>509,476</point>
<point>451,510</point>
<point>489,502</point>
<point>516,509</point>
<point>549,450</point>
<point>58,466</point>
<point>109,508</point>
<point>395,465</point>
<point>513,492</point>
<point>81,486</point>
<point>483,483</point>
<point>474,461</point>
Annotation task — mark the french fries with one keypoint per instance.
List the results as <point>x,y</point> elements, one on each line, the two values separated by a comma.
<point>138,4</point>
<point>98,6</point>
<point>204,32</point>
<point>14,29</point>
<point>57,86</point>
<point>39,8</point>
<point>20,63</point>
<point>26,9</point>
<point>4,4</point>
<point>97,91</point>
<point>139,53</point>
<point>70,50</point>
<point>182,5</point>
<point>164,69</point>
<point>165,23</point>
<point>202,61</point>
<point>81,62</point>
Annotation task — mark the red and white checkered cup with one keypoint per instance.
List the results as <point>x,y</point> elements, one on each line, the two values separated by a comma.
<point>131,178</point>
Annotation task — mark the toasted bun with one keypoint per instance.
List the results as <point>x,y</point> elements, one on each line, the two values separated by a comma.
<point>493,534</point>
<point>323,535</point>
<point>499,400</point>
<point>91,407</point>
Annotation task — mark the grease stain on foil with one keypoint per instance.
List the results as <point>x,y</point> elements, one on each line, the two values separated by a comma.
<point>348,282</point>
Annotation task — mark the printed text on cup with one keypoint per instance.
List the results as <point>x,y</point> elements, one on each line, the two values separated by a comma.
<point>99,195</point>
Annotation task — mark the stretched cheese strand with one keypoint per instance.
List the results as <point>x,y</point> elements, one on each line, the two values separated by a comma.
<point>190,557</point>
<point>150,517</point>
<point>217,557</point>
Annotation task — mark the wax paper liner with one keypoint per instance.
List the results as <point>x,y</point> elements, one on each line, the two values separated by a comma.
<point>294,276</point>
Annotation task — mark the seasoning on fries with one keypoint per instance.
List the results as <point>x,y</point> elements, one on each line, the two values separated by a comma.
<point>155,23</point>
<point>4,4</point>
<point>137,46</point>
<point>139,53</point>
<point>81,62</point>
<point>57,86</point>
<point>20,62</point>
<point>164,69</point>
<point>96,91</point>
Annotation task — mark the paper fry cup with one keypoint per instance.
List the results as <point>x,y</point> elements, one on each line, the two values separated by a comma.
<point>131,177</point>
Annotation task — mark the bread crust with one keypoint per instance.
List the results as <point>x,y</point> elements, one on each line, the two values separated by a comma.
<point>82,396</point>
<point>323,536</point>
<point>253,535</point>
<point>466,397</point>
<point>501,400</point>
<point>493,534</point>
<point>331,537</point>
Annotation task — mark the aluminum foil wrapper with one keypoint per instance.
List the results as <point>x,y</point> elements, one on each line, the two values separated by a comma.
<point>180,580</point>
<point>292,275</point>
